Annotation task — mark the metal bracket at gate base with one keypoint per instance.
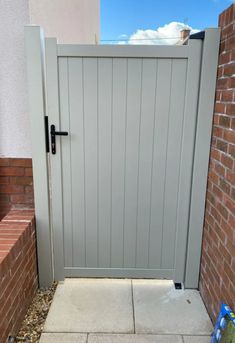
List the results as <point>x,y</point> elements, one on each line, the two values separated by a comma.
<point>55,133</point>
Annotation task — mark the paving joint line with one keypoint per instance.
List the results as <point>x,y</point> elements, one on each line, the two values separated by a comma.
<point>133,305</point>
<point>127,333</point>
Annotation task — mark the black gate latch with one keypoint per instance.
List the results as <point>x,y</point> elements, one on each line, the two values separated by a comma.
<point>53,138</point>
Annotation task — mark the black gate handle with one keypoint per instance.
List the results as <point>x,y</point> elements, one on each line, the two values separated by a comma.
<point>53,139</point>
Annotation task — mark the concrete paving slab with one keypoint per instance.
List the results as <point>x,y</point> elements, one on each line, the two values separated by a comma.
<point>161,309</point>
<point>134,339</point>
<point>92,305</point>
<point>197,339</point>
<point>63,338</point>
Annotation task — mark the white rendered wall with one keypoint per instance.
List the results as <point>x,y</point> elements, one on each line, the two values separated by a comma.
<point>14,119</point>
<point>70,21</point>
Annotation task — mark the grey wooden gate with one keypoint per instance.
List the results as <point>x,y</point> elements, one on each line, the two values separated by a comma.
<point>121,181</point>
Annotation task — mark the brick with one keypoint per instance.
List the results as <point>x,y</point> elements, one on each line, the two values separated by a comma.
<point>229,203</point>
<point>221,145</point>
<point>218,192</point>
<point>232,124</point>
<point>227,95</point>
<point>213,142</point>
<point>231,150</point>
<point>220,71</point>
<point>219,169</point>
<point>21,162</point>
<point>28,190</point>
<point>224,121</point>
<point>218,97</point>
<point>227,31</point>
<point>232,193</point>
<point>28,172</point>
<point>232,55</point>
<point>22,180</point>
<point>222,210</point>
<point>216,117</point>
<point>230,109</point>
<point>229,69</point>
<point>217,132</point>
<point>223,83</point>
<point>225,186</point>
<point>22,199</point>
<point>230,177</point>
<point>213,177</point>
<point>211,198</point>
<point>215,154</point>
<point>219,108</point>
<point>229,136</point>
<point>231,82</point>
<point>215,213</point>
<point>227,161</point>
<point>11,171</point>
<point>224,58</point>
<point>222,19</point>
<point>230,43</point>
<point>4,180</point>
<point>228,270</point>
<point>226,227</point>
<point>11,189</point>
<point>4,161</point>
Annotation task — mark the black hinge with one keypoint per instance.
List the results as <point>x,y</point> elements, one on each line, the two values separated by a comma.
<point>47,134</point>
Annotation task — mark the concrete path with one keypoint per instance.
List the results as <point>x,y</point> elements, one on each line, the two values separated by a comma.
<point>125,311</point>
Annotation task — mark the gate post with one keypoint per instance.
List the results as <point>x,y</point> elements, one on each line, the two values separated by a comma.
<point>34,41</point>
<point>201,154</point>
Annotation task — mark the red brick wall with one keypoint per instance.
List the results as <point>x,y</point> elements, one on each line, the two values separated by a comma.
<point>16,184</point>
<point>217,282</point>
<point>18,269</point>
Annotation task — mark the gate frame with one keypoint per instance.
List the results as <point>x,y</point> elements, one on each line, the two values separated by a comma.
<point>44,207</point>
<point>210,55</point>
<point>35,62</point>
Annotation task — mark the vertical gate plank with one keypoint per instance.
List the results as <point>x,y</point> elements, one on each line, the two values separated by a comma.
<point>159,161</point>
<point>173,161</point>
<point>66,162</point>
<point>77,160</point>
<point>118,160</point>
<point>104,158</point>
<point>91,162</point>
<point>145,160</point>
<point>132,154</point>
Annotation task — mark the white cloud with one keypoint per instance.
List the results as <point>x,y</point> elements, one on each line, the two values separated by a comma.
<point>166,35</point>
<point>123,36</point>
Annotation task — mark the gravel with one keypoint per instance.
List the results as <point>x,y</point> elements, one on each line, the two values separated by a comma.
<point>34,320</point>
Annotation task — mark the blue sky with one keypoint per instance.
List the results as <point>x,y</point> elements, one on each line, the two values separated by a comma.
<point>127,16</point>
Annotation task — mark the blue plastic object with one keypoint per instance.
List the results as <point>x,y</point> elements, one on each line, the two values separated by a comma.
<point>225,314</point>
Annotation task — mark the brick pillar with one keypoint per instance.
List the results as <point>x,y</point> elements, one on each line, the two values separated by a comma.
<point>16,184</point>
<point>217,280</point>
